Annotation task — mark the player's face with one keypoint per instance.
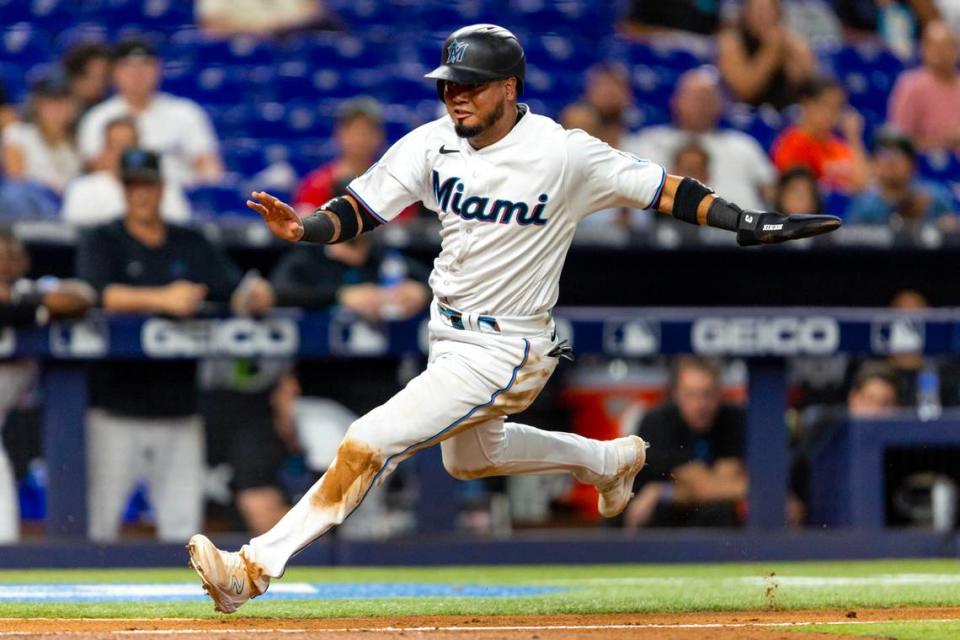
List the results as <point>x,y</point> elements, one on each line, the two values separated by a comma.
<point>697,396</point>
<point>474,108</point>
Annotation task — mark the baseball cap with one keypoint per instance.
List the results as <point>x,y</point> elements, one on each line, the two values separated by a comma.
<point>51,85</point>
<point>140,165</point>
<point>888,138</point>
<point>361,106</point>
<point>133,48</point>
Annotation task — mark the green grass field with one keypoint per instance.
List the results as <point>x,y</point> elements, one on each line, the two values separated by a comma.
<point>585,589</point>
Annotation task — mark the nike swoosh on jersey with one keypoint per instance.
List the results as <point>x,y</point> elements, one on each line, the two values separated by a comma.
<point>446,151</point>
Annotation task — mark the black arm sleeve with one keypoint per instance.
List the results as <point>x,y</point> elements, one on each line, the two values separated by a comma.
<point>337,221</point>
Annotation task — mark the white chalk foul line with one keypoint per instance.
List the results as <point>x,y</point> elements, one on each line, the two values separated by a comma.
<point>438,629</point>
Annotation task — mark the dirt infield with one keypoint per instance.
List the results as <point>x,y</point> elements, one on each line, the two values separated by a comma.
<point>768,625</point>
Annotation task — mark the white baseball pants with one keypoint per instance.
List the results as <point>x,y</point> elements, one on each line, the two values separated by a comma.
<point>168,453</point>
<point>472,382</point>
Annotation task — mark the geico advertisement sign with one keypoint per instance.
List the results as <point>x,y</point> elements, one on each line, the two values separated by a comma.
<point>163,338</point>
<point>780,336</point>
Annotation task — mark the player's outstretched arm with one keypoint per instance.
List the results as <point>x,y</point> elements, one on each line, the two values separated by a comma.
<point>689,200</point>
<point>338,220</point>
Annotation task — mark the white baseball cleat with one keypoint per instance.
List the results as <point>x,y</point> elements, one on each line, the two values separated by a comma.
<point>226,576</point>
<point>616,492</point>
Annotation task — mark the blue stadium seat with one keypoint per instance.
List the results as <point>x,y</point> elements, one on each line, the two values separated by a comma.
<point>214,84</point>
<point>24,44</point>
<point>213,201</point>
<point>939,165</point>
<point>45,13</point>
<point>836,203</point>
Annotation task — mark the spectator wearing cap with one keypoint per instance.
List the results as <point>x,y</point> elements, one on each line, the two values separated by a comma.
<point>896,194</point>
<point>839,163</point>
<point>360,136</point>
<point>923,103</point>
<point>87,65</point>
<point>143,423</point>
<point>177,128</point>
<point>97,197</point>
<point>761,60</point>
<point>42,150</point>
<point>740,168</point>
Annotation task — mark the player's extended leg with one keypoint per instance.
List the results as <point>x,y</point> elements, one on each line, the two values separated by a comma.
<point>498,448</point>
<point>468,382</point>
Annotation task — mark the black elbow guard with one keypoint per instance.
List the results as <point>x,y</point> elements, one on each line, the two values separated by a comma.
<point>690,193</point>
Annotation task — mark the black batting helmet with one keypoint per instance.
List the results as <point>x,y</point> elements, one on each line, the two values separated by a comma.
<point>480,53</point>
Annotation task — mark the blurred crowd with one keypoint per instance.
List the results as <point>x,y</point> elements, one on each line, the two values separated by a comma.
<point>762,113</point>
<point>100,144</point>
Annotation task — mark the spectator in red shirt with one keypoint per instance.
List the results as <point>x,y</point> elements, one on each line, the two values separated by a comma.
<point>924,102</point>
<point>839,163</point>
<point>359,134</point>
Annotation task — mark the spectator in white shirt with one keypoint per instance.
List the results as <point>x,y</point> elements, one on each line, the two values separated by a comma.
<point>42,149</point>
<point>97,197</point>
<point>176,128</point>
<point>739,167</point>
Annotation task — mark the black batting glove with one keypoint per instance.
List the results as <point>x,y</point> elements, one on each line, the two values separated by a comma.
<point>768,227</point>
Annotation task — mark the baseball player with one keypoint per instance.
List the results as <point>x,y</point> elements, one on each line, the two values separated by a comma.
<point>509,187</point>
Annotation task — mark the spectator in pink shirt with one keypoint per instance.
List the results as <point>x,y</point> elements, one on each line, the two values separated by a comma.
<point>924,102</point>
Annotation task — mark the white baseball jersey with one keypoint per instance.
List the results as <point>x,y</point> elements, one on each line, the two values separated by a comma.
<point>508,211</point>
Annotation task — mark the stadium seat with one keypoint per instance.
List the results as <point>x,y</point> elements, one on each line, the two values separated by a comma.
<point>24,44</point>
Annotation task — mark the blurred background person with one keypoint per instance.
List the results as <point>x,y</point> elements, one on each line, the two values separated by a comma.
<point>374,282</point>
<point>761,61</point>
<point>39,155</point>
<point>25,302</point>
<point>359,134</point>
<point>839,163</point>
<point>923,101</point>
<point>607,89</point>
<point>797,192</point>
<point>87,65</point>
<point>143,424</point>
<point>874,393</point>
<point>263,18</point>
<point>894,23</point>
<point>740,166</point>
<point>8,112</point>
<point>177,128</point>
<point>692,160</point>
<point>697,477</point>
<point>648,17</point>
<point>896,195</point>
<point>240,420</point>
<point>98,196</point>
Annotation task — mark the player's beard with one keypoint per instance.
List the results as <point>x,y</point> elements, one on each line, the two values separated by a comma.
<point>486,123</point>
